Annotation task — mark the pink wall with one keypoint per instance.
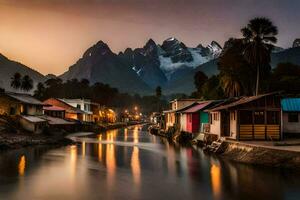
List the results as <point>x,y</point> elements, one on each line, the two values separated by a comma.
<point>192,122</point>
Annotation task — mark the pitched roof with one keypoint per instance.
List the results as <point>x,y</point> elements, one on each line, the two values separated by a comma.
<point>33,119</point>
<point>56,121</point>
<point>71,109</point>
<point>240,101</point>
<point>24,98</point>
<point>290,105</point>
<point>197,108</point>
<point>53,108</point>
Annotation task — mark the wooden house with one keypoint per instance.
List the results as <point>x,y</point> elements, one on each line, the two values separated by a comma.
<point>196,117</point>
<point>291,117</point>
<point>248,118</point>
<point>25,108</point>
<point>172,116</point>
<point>54,111</point>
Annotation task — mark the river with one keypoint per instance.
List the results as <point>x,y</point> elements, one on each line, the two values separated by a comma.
<point>132,164</point>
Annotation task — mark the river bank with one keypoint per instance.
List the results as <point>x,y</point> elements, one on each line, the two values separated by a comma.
<point>21,138</point>
<point>259,155</point>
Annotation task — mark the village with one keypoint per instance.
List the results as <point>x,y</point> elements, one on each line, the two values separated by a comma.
<point>25,120</point>
<point>235,126</point>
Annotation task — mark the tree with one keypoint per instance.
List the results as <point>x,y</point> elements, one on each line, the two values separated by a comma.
<point>40,91</point>
<point>236,75</point>
<point>16,81</point>
<point>199,79</point>
<point>286,78</point>
<point>259,37</point>
<point>27,83</point>
<point>158,92</point>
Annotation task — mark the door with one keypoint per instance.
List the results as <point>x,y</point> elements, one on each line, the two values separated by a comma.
<point>225,123</point>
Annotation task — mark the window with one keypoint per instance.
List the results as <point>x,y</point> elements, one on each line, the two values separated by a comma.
<point>246,117</point>
<point>78,106</point>
<point>216,116</point>
<point>259,117</point>
<point>273,117</point>
<point>12,111</point>
<point>293,117</point>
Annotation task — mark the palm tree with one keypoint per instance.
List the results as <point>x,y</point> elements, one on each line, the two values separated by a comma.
<point>27,83</point>
<point>231,85</point>
<point>16,81</point>
<point>40,91</point>
<point>259,36</point>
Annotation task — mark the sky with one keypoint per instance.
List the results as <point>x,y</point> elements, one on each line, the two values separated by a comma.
<point>49,36</point>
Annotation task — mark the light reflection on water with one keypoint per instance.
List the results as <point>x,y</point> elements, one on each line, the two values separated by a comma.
<point>94,170</point>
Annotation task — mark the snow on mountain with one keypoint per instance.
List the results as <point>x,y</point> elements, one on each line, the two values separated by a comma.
<point>174,55</point>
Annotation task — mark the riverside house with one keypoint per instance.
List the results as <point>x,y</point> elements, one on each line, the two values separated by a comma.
<point>71,111</point>
<point>291,117</point>
<point>172,117</point>
<point>248,118</point>
<point>193,119</point>
<point>25,108</point>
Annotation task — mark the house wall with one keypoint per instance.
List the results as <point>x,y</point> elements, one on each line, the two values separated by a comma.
<point>290,127</point>
<point>233,124</point>
<point>215,125</point>
<point>192,122</point>
<point>170,120</point>
<point>7,103</point>
<point>33,109</point>
<point>32,127</point>
<point>183,122</point>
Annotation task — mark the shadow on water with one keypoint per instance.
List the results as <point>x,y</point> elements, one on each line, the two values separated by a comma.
<point>132,164</point>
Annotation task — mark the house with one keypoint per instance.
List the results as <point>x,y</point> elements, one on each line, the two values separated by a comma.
<point>34,124</point>
<point>54,111</point>
<point>248,118</point>
<point>291,117</point>
<point>172,117</point>
<point>25,108</point>
<point>196,117</point>
<point>83,105</point>
<point>71,112</point>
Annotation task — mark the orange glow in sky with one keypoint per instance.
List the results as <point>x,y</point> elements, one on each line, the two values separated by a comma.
<point>49,36</point>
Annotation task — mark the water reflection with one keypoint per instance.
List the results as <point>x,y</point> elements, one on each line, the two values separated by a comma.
<point>135,165</point>
<point>22,165</point>
<point>215,173</point>
<point>108,171</point>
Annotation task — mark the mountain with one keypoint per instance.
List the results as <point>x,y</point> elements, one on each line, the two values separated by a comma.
<point>186,82</point>
<point>8,68</point>
<point>141,70</point>
<point>100,64</point>
<point>171,65</point>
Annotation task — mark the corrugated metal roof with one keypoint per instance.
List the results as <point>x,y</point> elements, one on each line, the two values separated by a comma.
<point>242,100</point>
<point>196,108</point>
<point>33,119</point>
<point>25,98</point>
<point>290,104</point>
<point>53,108</point>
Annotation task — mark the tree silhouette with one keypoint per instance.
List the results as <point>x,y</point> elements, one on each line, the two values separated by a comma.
<point>259,37</point>
<point>16,81</point>
<point>27,83</point>
<point>40,91</point>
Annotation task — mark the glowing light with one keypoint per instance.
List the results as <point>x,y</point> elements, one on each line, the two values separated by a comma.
<point>22,165</point>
